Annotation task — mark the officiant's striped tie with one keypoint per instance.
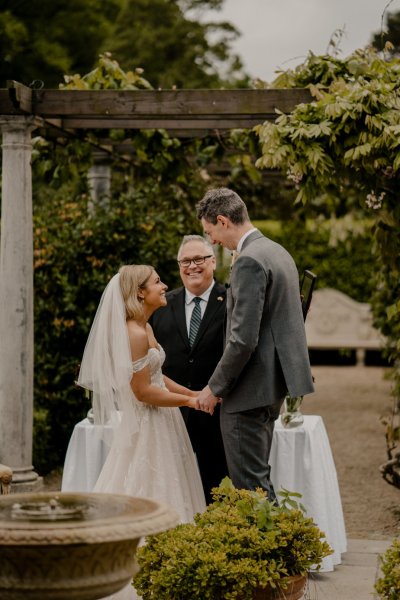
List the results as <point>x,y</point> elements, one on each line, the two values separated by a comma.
<point>195,320</point>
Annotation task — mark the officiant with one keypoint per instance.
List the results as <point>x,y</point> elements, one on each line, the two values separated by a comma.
<point>190,329</point>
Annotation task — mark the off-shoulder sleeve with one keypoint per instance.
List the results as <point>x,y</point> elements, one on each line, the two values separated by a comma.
<point>141,363</point>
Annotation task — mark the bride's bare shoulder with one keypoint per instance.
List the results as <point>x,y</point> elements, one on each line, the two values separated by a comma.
<point>134,326</point>
<point>138,340</point>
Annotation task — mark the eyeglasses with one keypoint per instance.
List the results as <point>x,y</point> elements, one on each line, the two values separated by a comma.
<point>199,260</point>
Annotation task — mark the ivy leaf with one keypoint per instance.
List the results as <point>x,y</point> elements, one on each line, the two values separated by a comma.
<point>396,162</point>
<point>393,310</point>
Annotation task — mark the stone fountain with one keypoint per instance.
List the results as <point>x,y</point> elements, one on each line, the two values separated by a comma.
<point>66,546</point>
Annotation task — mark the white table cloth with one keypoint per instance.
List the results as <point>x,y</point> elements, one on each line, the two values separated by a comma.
<point>301,461</point>
<point>86,454</point>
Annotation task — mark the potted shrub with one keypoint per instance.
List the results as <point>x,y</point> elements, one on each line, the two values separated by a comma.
<point>388,585</point>
<point>242,547</point>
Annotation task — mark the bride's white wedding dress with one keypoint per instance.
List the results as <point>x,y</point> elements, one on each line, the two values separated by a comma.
<point>160,463</point>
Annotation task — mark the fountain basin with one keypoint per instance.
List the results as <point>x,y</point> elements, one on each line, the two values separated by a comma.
<point>68,546</point>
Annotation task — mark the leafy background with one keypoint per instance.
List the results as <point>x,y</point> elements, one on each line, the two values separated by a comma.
<point>337,155</point>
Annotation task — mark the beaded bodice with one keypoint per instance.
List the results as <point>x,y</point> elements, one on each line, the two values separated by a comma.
<point>154,359</point>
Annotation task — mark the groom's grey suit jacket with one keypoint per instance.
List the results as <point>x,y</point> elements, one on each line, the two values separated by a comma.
<point>266,353</point>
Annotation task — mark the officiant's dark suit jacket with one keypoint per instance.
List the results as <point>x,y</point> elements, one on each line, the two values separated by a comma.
<point>192,367</point>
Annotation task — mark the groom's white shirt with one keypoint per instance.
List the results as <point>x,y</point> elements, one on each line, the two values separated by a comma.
<point>240,244</point>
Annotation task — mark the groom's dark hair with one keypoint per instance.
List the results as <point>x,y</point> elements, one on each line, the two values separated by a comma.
<point>225,202</point>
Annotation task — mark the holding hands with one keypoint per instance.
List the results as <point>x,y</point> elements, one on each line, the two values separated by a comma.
<point>206,401</point>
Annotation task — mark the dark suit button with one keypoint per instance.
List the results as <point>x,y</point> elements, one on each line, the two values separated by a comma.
<point>191,360</point>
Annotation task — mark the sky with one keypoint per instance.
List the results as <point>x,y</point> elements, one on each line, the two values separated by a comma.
<point>280,33</point>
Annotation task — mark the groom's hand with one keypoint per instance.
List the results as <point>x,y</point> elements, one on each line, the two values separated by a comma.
<point>206,401</point>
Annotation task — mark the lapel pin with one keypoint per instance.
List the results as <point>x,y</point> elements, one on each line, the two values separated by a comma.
<point>220,298</point>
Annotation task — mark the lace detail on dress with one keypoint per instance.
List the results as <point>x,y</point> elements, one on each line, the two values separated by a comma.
<point>141,363</point>
<point>154,360</point>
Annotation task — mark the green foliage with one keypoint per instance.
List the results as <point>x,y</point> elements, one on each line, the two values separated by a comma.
<point>41,41</point>
<point>348,128</point>
<point>388,585</point>
<point>346,142</point>
<point>174,49</point>
<point>241,542</point>
<point>107,75</point>
<point>44,40</point>
<point>331,248</point>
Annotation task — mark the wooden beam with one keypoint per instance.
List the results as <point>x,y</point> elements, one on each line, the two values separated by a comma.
<point>21,96</point>
<point>178,110</point>
<point>183,123</point>
<point>162,103</point>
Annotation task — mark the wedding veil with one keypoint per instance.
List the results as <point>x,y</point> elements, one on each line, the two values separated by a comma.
<point>106,367</point>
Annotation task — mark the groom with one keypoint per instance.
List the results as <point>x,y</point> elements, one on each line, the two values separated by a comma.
<point>265,355</point>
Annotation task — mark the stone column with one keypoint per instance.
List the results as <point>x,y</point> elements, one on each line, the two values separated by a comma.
<point>99,178</point>
<point>16,302</point>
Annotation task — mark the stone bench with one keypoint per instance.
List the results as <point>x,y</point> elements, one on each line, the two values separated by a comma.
<point>336,321</point>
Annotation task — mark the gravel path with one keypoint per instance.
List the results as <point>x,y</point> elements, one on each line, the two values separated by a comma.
<point>351,400</point>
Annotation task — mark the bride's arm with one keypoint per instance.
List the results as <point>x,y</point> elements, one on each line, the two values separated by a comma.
<point>141,384</point>
<point>179,389</point>
<point>151,394</point>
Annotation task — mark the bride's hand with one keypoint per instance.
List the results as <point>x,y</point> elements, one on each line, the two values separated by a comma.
<point>192,401</point>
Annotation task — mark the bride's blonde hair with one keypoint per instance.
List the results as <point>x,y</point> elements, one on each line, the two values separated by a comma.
<point>134,278</point>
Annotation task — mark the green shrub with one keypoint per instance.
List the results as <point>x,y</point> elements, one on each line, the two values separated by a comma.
<point>240,543</point>
<point>388,585</point>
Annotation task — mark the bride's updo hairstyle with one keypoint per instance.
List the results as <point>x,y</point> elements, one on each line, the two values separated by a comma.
<point>134,278</point>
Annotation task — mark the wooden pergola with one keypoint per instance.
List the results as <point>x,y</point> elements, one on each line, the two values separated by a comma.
<point>62,113</point>
<point>178,110</point>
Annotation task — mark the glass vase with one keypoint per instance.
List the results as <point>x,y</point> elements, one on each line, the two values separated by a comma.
<point>291,415</point>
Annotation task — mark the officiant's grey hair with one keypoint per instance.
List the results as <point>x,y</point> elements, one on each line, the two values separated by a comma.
<point>195,238</point>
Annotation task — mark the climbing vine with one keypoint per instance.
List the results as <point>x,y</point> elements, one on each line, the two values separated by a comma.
<point>343,148</point>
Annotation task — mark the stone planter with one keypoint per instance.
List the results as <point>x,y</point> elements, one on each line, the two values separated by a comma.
<point>73,546</point>
<point>294,591</point>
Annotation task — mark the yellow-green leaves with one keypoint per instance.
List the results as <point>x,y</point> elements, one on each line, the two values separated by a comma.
<point>240,543</point>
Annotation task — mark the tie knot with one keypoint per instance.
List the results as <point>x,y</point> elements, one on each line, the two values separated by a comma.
<point>197,300</point>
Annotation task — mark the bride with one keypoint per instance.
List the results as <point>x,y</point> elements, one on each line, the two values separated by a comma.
<point>151,454</point>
